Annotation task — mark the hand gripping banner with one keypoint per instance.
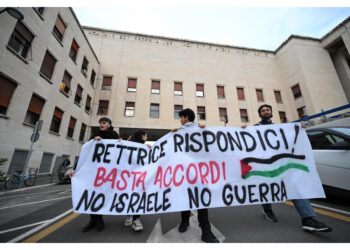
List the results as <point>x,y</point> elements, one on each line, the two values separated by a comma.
<point>196,168</point>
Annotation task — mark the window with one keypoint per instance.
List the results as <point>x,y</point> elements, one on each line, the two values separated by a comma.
<point>201,113</point>
<point>321,140</point>
<point>107,82</point>
<point>34,110</point>
<point>177,109</point>
<point>56,120</point>
<point>132,85</point>
<point>244,115</point>
<point>223,114</point>
<point>7,88</point>
<point>154,110</point>
<point>92,78</point>
<point>278,96</point>
<point>59,28</point>
<point>39,10</point>
<point>155,87</point>
<point>65,84</point>
<point>240,94</point>
<point>103,107</point>
<point>259,95</point>
<point>78,94</point>
<point>74,50</point>
<point>221,92</point>
<point>177,88</point>
<point>129,109</point>
<point>71,126</point>
<point>199,90</point>
<point>21,39</point>
<point>84,66</point>
<point>82,132</point>
<point>296,91</point>
<point>88,104</point>
<point>301,112</point>
<point>48,65</point>
<point>283,118</point>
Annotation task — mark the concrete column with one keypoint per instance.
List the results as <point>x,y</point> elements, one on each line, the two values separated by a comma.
<point>343,71</point>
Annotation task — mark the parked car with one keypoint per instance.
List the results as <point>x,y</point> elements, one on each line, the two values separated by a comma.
<point>331,148</point>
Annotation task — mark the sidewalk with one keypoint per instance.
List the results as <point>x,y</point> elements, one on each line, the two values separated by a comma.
<point>43,180</point>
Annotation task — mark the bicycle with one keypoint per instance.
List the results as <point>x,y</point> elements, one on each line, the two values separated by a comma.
<point>29,180</point>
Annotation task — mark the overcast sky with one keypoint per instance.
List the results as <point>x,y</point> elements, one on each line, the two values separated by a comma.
<point>261,28</point>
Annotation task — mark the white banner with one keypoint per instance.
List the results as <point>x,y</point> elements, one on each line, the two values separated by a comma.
<point>196,168</point>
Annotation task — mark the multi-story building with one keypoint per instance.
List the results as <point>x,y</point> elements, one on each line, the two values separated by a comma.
<point>143,81</point>
<point>47,72</point>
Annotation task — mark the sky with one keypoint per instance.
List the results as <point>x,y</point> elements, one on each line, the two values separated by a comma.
<point>253,27</point>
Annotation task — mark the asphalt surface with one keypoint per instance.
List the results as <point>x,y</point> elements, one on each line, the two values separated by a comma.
<point>43,214</point>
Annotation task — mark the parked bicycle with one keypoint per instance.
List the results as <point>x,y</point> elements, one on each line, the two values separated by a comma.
<point>29,179</point>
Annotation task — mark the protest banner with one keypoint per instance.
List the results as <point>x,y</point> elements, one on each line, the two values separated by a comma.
<point>196,168</point>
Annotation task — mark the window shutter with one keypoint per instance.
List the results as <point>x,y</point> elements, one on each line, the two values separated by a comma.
<point>24,31</point>
<point>132,83</point>
<point>104,104</point>
<point>75,46</point>
<point>36,104</point>
<point>72,123</point>
<point>60,25</point>
<point>48,65</point>
<point>107,81</point>
<point>243,112</point>
<point>222,111</point>
<point>201,109</point>
<point>88,101</point>
<point>240,94</point>
<point>259,95</point>
<point>199,87</point>
<point>178,86</point>
<point>296,89</point>
<point>79,91</point>
<point>66,79</point>
<point>155,84</point>
<point>58,113</point>
<point>278,97</point>
<point>83,126</point>
<point>7,87</point>
<point>130,104</point>
<point>220,90</point>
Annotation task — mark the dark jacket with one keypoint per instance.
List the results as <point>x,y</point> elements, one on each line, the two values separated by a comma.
<point>264,122</point>
<point>109,134</point>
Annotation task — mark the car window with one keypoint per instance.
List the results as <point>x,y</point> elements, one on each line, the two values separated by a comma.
<point>342,130</point>
<point>322,140</point>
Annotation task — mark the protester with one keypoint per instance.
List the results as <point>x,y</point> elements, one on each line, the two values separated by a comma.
<point>134,221</point>
<point>303,206</point>
<point>105,132</point>
<point>187,117</point>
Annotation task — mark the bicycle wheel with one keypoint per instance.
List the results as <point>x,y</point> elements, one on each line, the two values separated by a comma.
<point>29,181</point>
<point>10,185</point>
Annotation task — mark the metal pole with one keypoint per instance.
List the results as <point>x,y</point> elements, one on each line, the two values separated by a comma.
<point>26,164</point>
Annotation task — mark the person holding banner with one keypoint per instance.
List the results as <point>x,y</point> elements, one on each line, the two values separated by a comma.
<point>187,117</point>
<point>303,206</point>
<point>105,132</point>
<point>134,221</point>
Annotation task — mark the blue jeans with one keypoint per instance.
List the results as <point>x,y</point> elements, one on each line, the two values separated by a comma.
<point>303,207</point>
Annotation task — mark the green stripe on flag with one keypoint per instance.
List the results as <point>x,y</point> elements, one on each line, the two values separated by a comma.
<point>278,171</point>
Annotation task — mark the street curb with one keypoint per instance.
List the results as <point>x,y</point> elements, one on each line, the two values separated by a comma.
<point>28,188</point>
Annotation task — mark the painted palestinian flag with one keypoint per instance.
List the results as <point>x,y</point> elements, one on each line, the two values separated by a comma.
<point>248,170</point>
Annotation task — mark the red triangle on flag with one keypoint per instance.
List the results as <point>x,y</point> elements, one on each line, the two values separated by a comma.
<point>245,169</point>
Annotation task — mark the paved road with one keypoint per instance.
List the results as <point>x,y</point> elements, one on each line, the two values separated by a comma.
<point>44,214</point>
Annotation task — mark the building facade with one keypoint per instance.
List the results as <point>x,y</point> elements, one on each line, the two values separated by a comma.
<point>142,82</point>
<point>43,77</point>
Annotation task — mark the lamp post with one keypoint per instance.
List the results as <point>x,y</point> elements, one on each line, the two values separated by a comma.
<point>14,12</point>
